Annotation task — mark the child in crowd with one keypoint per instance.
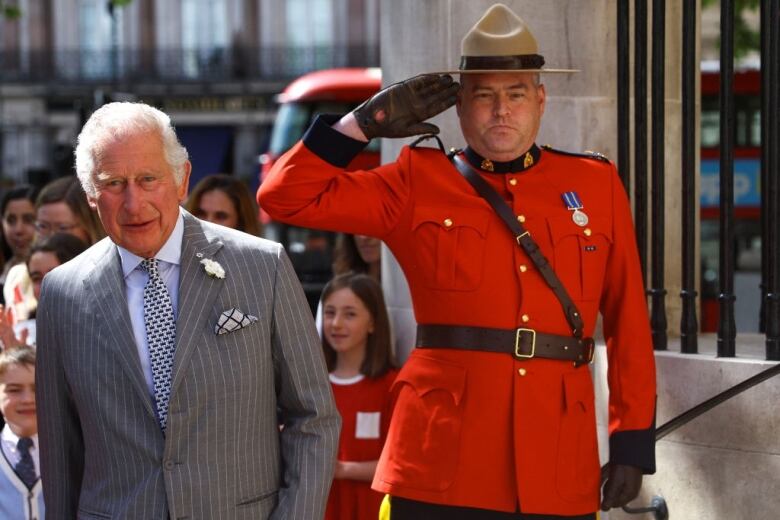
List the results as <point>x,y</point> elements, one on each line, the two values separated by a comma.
<point>21,496</point>
<point>356,341</point>
<point>45,254</point>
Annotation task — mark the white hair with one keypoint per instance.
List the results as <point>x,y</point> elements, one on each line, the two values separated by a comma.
<point>115,121</point>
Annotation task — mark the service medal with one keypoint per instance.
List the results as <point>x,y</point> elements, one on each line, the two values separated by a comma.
<point>573,202</point>
<point>579,218</point>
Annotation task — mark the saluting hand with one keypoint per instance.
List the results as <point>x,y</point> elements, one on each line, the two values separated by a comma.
<point>400,109</point>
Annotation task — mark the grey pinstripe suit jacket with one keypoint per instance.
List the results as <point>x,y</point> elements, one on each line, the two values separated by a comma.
<point>102,452</point>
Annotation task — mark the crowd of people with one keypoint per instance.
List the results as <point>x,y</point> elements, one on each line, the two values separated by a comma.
<point>179,371</point>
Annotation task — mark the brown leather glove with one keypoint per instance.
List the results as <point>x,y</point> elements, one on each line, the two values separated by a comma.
<point>622,486</point>
<point>400,109</point>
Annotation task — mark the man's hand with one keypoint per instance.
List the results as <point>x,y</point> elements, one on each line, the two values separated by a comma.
<point>622,486</point>
<point>400,109</point>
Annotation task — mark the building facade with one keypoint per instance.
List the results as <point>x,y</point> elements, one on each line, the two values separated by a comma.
<point>213,65</point>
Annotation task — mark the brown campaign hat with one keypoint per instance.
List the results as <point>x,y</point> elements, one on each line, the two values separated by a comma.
<point>501,42</point>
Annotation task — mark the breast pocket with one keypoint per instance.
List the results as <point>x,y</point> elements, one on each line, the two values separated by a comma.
<point>450,245</point>
<point>580,254</point>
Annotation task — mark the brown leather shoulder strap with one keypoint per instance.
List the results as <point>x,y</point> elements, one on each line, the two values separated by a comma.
<point>524,240</point>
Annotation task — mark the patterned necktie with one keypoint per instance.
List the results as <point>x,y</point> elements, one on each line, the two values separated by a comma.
<point>160,336</point>
<point>25,468</point>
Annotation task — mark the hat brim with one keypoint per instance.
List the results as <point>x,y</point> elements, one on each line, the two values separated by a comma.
<point>508,71</point>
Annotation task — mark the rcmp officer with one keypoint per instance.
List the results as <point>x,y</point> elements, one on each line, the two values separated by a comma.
<point>511,251</point>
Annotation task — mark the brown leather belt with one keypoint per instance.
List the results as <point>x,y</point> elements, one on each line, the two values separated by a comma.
<point>520,343</point>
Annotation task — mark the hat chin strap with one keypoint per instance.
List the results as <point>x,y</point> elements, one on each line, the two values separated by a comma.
<point>518,62</point>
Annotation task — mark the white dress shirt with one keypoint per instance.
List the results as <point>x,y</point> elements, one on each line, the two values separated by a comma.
<point>9,440</point>
<point>169,259</point>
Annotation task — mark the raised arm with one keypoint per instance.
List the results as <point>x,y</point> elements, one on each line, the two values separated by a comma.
<point>310,186</point>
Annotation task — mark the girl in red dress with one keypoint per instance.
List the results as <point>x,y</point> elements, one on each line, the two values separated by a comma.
<point>356,341</point>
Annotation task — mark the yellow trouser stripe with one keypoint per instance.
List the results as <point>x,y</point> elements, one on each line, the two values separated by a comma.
<point>384,509</point>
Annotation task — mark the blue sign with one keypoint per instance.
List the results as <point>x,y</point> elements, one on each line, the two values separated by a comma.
<point>747,177</point>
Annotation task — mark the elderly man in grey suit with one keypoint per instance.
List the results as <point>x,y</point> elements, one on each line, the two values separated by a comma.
<point>170,352</point>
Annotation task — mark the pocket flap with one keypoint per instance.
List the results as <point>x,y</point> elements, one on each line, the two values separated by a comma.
<point>427,374</point>
<point>449,218</point>
<point>578,388</point>
<point>562,226</point>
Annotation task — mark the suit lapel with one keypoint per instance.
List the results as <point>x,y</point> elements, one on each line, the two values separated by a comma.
<point>197,292</point>
<point>108,285</point>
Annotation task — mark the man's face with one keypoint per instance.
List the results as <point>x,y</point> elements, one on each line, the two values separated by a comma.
<point>17,399</point>
<point>136,196</point>
<point>500,113</point>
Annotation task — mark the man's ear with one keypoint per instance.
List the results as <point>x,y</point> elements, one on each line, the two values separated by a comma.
<point>92,201</point>
<point>542,99</point>
<point>185,182</point>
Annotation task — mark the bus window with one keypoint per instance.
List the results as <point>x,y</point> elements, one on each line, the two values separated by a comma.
<point>746,251</point>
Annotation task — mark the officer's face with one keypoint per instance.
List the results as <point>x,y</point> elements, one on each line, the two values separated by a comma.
<point>500,113</point>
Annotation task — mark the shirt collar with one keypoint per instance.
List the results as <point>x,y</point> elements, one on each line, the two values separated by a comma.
<point>10,438</point>
<point>525,161</point>
<point>170,251</point>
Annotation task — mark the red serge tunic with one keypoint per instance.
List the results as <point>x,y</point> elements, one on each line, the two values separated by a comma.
<point>365,405</point>
<point>482,429</point>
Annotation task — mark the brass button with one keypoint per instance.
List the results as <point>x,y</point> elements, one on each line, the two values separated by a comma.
<point>521,371</point>
<point>447,222</point>
<point>525,318</point>
<point>523,268</point>
<point>588,232</point>
<point>513,181</point>
<point>521,218</point>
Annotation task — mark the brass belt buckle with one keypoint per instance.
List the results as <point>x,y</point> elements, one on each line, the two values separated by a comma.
<point>517,344</point>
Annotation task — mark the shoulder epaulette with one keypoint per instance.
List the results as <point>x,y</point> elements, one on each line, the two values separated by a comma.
<point>425,138</point>
<point>587,154</point>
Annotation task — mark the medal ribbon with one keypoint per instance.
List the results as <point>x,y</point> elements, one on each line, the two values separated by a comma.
<point>572,200</point>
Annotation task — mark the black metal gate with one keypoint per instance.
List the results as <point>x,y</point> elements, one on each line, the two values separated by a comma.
<point>654,163</point>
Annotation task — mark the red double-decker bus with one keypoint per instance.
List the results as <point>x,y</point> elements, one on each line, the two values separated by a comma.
<point>747,195</point>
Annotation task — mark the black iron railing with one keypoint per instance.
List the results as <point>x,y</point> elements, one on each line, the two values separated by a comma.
<point>727,329</point>
<point>688,321</point>
<point>640,129</point>
<point>658,192</point>
<point>83,66</point>
<point>770,167</point>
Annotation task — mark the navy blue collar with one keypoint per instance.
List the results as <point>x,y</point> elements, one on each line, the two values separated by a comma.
<point>522,163</point>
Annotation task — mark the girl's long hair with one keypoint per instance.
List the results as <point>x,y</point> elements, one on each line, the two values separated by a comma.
<point>379,353</point>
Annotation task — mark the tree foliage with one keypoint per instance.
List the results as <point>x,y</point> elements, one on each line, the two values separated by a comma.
<point>746,39</point>
<point>10,12</point>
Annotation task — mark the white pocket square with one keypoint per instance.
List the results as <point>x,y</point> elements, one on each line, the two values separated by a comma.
<point>232,320</point>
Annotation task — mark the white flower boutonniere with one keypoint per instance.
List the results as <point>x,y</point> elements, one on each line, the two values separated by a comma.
<point>213,268</point>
